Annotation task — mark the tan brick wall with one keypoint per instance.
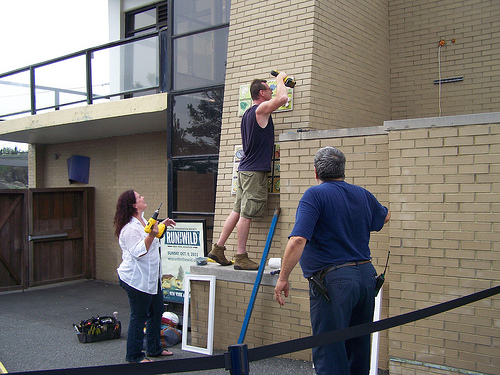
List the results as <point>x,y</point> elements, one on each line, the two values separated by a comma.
<point>444,244</point>
<point>416,27</point>
<point>441,185</point>
<point>350,70</point>
<point>32,166</point>
<point>116,164</point>
<point>36,157</point>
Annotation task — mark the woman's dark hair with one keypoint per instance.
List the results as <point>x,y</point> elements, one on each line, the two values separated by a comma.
<point>329,163</point>
<point>124,210</point>
<point>256,86</point>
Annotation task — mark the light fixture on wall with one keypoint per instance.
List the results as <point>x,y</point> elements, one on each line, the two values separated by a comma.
<point>56,156</point>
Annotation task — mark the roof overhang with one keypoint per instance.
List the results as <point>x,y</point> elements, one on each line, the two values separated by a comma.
<point>145,114</point>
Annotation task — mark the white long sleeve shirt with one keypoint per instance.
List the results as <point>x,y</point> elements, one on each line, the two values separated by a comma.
<point>140,268</point>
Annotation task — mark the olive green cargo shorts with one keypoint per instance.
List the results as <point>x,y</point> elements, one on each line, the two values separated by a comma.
<point>251,194</point>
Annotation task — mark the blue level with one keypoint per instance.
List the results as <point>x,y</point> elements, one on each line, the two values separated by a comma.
<point>259,276</point>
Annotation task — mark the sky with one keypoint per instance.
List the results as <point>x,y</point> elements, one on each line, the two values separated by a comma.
<point>33,31</point>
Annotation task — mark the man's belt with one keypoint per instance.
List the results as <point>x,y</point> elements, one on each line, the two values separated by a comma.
<point>321,274</point>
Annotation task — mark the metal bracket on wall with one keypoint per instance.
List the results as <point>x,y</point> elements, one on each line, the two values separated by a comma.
<point>448,80</point>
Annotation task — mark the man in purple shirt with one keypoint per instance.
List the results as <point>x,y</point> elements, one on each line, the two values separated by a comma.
<point>257,133</point>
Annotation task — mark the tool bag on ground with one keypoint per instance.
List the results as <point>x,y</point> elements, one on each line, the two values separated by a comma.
<point>98,329</point>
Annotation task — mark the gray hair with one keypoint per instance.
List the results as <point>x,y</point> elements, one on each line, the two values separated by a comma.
<point>329,163</point>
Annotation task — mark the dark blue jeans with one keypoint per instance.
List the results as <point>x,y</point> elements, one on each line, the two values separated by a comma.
<point>144,309</point>
<point>352,294</point>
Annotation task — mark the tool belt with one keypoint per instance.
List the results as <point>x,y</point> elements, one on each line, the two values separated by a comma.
<point>98,329</point>
<point>318,277</point>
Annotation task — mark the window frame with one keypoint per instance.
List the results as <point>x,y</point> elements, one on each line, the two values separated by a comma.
<point>160,22</point>
<point>167,86</point>
<point>172,159</point>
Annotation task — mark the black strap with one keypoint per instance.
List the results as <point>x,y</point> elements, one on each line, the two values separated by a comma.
<point>152,368</point>
<point>273,350</point>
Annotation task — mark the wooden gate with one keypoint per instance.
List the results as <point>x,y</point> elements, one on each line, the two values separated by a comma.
<point>48,238</point>
<point>13,239</point>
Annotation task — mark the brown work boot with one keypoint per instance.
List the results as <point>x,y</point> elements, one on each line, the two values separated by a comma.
<point>243,263</point>
<point>217,254</point>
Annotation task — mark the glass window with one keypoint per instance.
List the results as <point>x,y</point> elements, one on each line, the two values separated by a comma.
<point>198,63</point>
<point>194,183</point>
<point>200,59</point>
<point>196,123</point>
<point>200,14</point>
<point>145,19</point>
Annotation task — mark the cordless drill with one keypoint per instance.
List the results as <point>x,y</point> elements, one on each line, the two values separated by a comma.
<point>288,81</point>
<point>152,221</point>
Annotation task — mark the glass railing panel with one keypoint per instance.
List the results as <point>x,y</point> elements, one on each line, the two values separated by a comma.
<point>140,64</point>
<point>15,95</point>
<point>61,83</point>
<point>101,75</point>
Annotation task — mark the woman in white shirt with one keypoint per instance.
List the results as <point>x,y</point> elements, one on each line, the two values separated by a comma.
<point>140,275</point>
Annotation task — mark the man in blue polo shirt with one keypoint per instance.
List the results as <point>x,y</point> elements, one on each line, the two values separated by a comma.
<point>330,239</point>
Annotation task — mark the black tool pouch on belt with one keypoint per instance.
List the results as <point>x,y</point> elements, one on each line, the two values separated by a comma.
<point>380,281</point>
<point>320,287</point>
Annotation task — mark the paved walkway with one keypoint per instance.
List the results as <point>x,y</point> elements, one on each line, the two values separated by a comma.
<point>36,331</point>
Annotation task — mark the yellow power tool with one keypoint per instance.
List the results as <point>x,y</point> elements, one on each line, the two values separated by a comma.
<point>152,221</point>
<point>287,80</point>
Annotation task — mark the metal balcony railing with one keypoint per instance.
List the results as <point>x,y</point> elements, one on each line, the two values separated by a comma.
<point>112,71</point>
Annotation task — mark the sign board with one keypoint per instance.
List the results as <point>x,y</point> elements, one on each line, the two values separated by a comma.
<point>180,247</point>
<point>245,100</point>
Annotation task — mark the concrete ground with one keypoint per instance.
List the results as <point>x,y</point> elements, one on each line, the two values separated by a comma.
<point>36,331</point>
